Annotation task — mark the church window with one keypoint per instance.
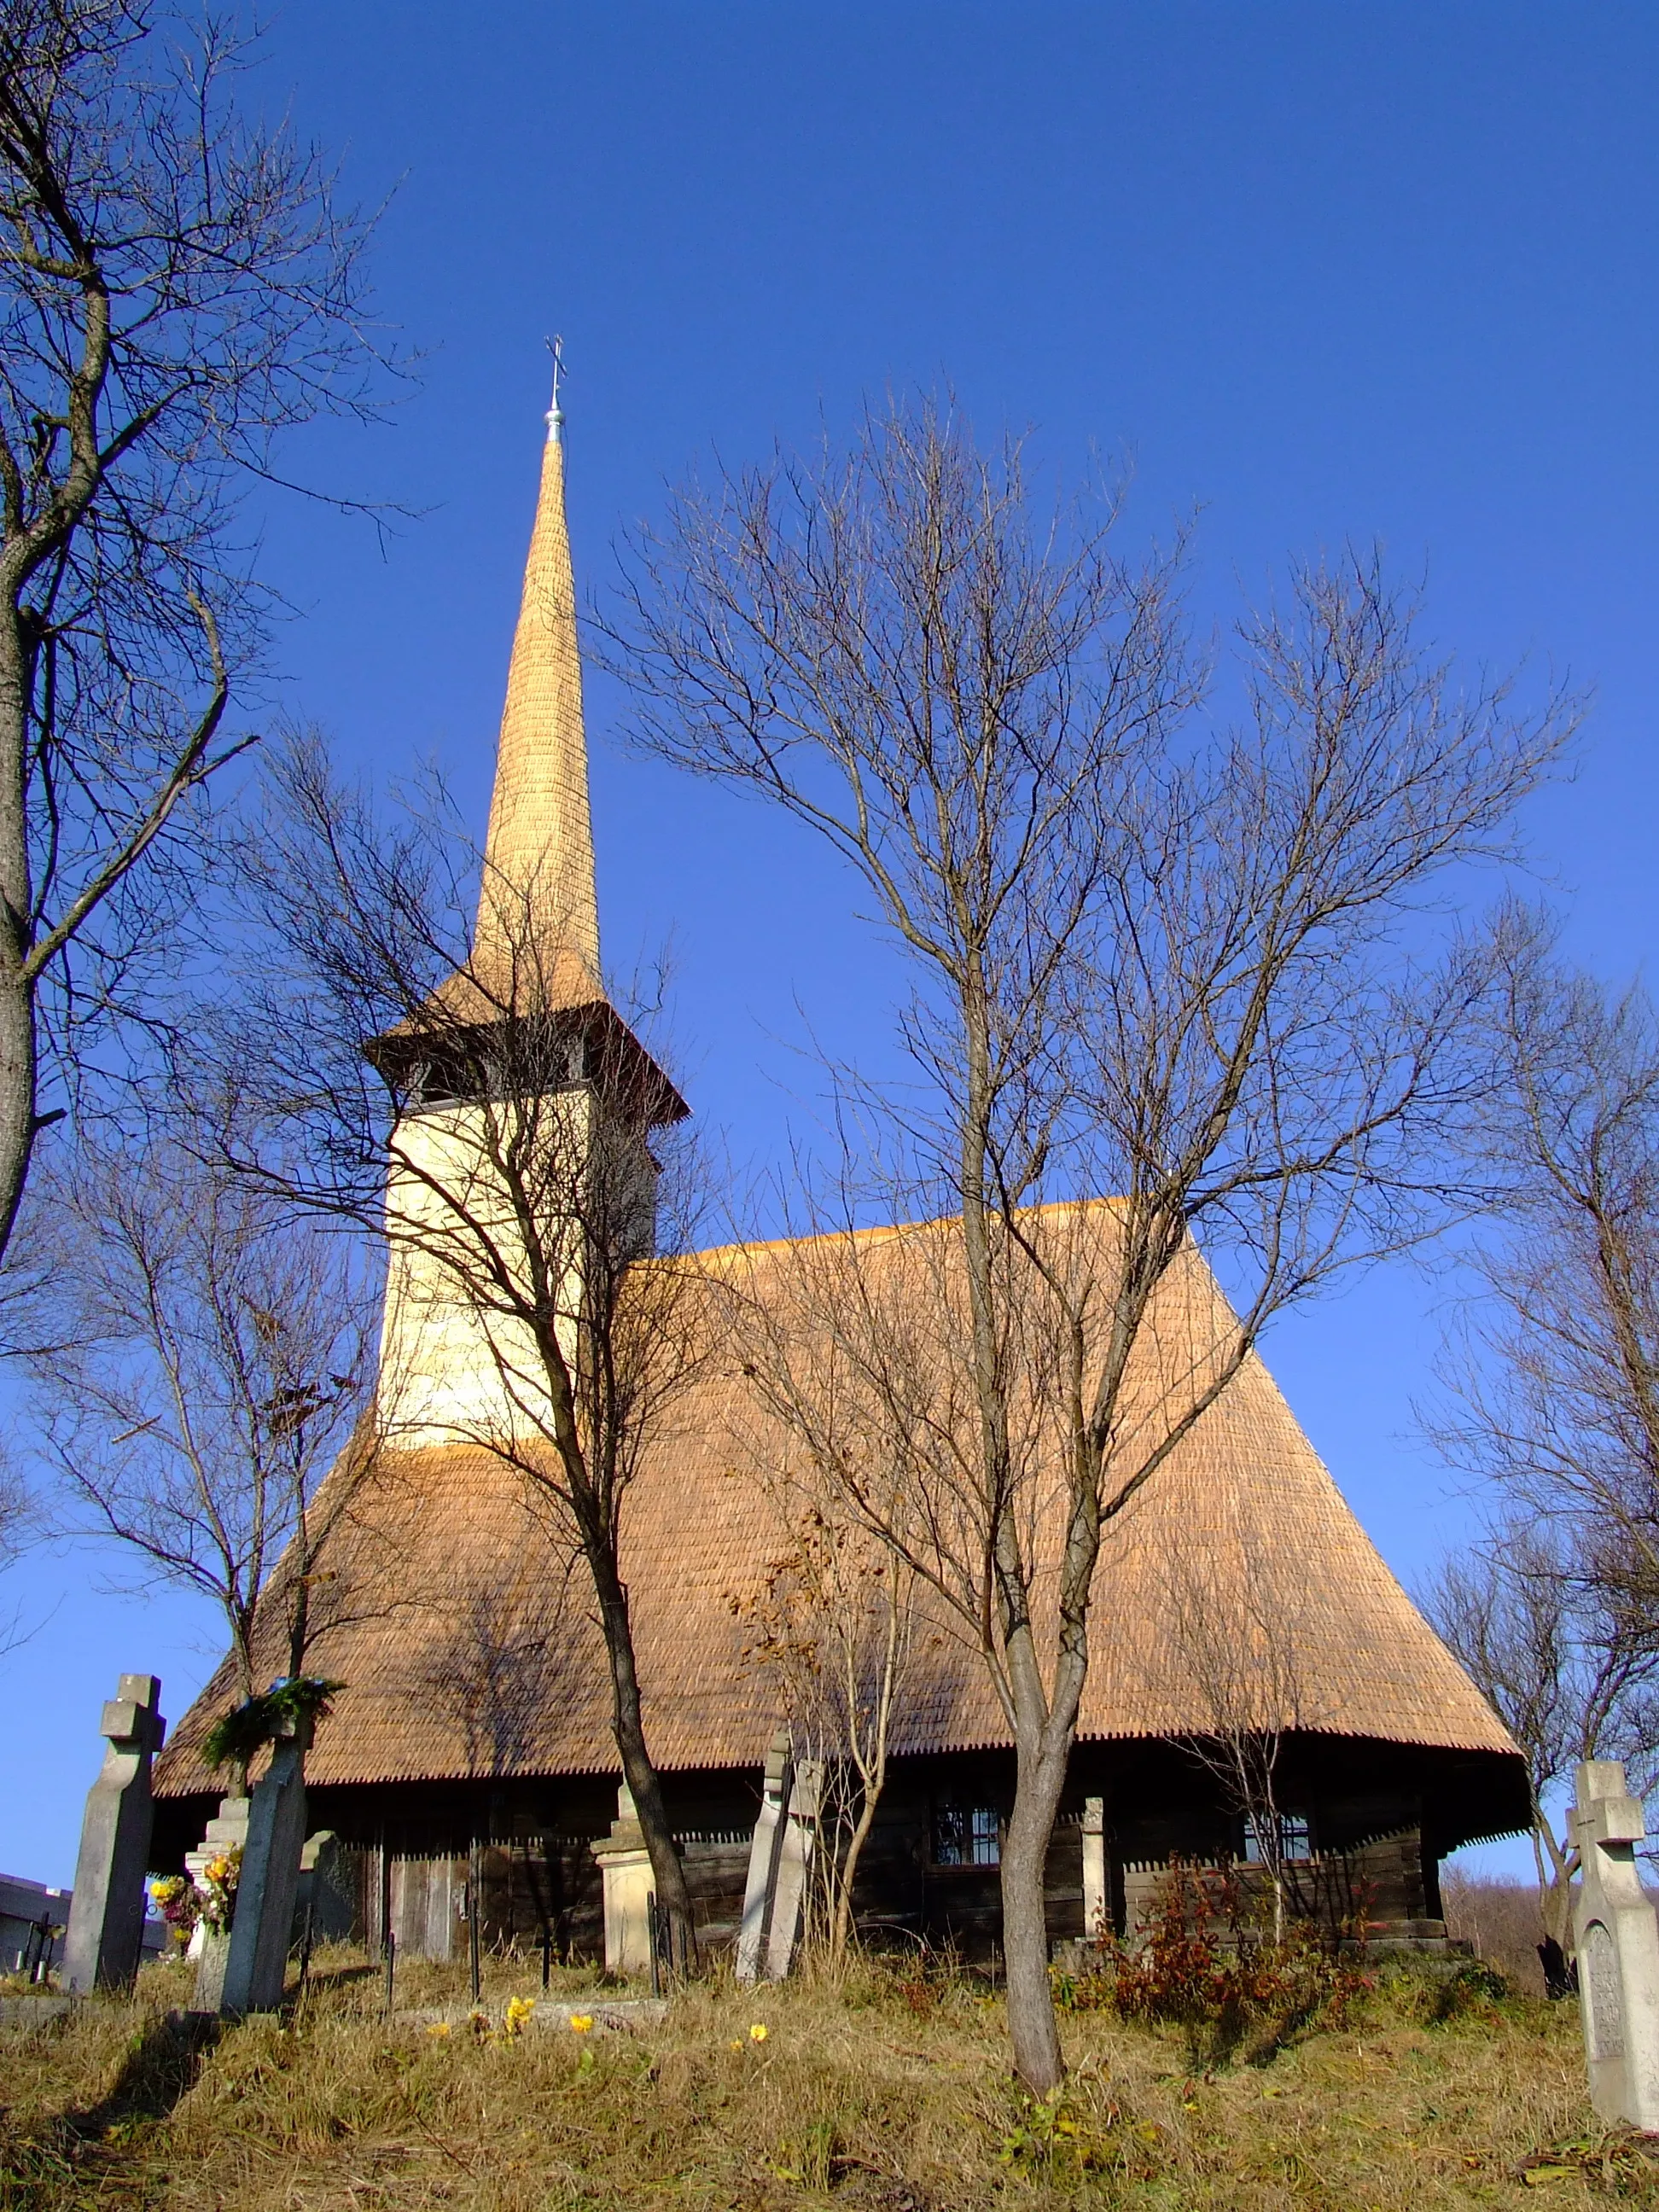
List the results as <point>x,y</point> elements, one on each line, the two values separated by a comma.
<point>967,1835</point>
<point>1295,1834</point>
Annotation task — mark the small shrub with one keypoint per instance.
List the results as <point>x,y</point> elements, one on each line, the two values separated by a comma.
<point>919,1993</point>
<point>1206,1965</point>
<point>928,1979</point>
<point>1045,2125</point>
<point>1475,1991</point>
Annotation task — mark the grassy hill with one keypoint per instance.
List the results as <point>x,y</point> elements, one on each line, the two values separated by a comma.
<point>886,2089</point>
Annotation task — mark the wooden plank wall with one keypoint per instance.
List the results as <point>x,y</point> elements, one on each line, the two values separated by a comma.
<point>537,1887</point>
<point>1380,1881</point>
<point>531,1886</point>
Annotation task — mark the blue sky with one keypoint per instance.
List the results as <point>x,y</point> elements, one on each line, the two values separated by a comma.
<point>1324,272</point>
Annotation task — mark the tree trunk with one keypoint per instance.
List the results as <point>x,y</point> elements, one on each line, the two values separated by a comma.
<point>1554,1884</point>
<point>842,1927</point>
<point>645,1785</point>
<point>241,1628</point>
<point>1040,1773</point>
<point>17,1088</point>
<point>1032,2028</point>
<point>17,1037</point>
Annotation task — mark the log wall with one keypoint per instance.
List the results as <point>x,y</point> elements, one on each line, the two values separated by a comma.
<point>538,1883</point>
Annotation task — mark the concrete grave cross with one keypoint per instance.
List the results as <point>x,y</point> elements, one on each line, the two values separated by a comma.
<point>794,1865</point>
<point>764,1851</point>
<point>262,1926</point>
<point>1617,1940</point>
<point>107,1910</point>
<point>1094,1897</point>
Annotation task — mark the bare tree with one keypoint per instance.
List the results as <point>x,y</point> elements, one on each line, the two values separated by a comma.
<point>1239,1612</point>
<point>207,1362</point>
<point>1144,960</point>
<point>523,1158</point>
<point>1551,1376</point>
<point>15,1511</point>
<point>1552,1372</point>
<point>1569,1679</point>
<point>178,287</point>
<point>834,1621</point>
<point>19,1524</point>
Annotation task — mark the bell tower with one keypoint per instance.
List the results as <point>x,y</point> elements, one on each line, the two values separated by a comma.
<point>518,1085</point>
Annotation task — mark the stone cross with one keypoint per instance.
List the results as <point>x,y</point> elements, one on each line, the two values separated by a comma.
<point>210,1946</point>
<point>326,1903</point>
<point>106,1911</point>
<point>262,1927</point>
<point>1617,1940</point>
<point>794,1862</point>
<point>1094,1869</point>
<point>762,1880</point>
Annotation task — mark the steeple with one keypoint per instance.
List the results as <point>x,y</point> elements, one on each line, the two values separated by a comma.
<point>538,889</point>
<point>536,941</point>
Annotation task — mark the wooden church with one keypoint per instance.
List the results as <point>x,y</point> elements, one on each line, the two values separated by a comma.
<point>468,1757</point>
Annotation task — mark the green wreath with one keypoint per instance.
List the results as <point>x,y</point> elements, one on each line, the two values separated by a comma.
<point>248,1728</point>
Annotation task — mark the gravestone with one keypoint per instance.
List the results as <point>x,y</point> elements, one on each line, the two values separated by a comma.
<point>326,1903</point>
<point>1618,1945</point>
<point>256,1963</point>
<point>107,1910</point>
<point>800,1830</point>
<point>210,1946</point>
<point>1094,1869</point>
<point>762,1885</point>
<point>625,1870</point>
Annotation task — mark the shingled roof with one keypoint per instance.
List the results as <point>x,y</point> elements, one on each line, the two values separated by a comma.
<point>467,1644</point>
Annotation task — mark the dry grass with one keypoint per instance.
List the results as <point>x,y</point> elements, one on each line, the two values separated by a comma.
<point>1501,1919</point>
<point>880,2093</point>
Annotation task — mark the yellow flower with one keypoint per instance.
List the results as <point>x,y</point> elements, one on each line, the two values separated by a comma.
<point>580,2022</point>
<point>519,2010</point>
<point>757,2032</point>
<point>437,2028</point>
<point>737,2043</point>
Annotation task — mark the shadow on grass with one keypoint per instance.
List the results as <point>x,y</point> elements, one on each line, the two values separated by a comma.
<point>1284,2032</point>
<point>1475,1989</point>
<point>159,2068</point>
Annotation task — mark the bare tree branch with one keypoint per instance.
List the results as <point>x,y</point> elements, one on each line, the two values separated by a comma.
<point>179,287</point>
<point>833,1620</point>
<point>205,1381</point>
<point>1551,1383</point>
<point>1148,963</point>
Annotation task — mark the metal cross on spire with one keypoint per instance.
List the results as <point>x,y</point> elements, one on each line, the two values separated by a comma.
<point>555,413</point>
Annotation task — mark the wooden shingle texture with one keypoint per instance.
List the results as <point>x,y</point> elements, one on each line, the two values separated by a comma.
<point>463,1633</point>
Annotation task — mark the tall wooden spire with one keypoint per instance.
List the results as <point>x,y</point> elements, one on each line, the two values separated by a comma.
<point>537,905</point>
<point>536,941</point>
